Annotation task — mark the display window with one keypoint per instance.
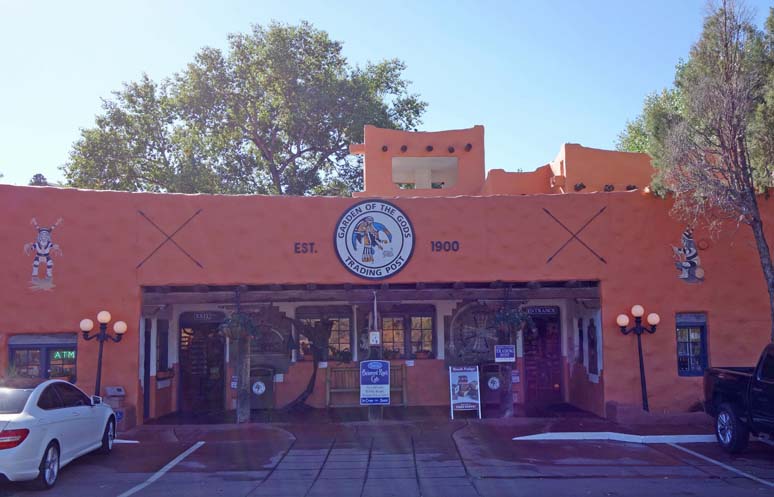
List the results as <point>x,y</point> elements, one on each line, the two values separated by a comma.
<point>30,356</point>
<point>408,332</point>
<point>339,346</point>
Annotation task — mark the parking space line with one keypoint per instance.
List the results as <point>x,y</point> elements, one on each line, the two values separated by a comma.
<point>765,441</point>
<point>722,465</point>
<point>618,437</point>
<point>158,474</point>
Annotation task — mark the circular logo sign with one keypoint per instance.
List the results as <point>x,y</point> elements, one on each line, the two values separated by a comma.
<point>259,388</point>
<point>494,383</point>
<point>374,239</point>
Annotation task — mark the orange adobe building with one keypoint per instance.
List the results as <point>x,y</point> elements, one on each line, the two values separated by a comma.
<point>448,252</point>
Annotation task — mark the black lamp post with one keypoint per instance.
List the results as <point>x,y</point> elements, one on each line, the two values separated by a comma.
<point>119,327</point>
<point>623,321</point>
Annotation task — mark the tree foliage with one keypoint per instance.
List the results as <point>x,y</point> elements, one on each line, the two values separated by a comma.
<point>274,113</point>
<point>711,137</point>
<point>38,180</point>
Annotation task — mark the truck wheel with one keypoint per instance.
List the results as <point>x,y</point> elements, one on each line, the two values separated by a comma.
<point>731,433</point>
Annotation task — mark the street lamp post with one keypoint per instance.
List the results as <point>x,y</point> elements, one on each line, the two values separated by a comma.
<point>623,321</point>
<point>119,327</point>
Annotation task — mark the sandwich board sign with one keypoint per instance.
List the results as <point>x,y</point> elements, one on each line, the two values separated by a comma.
<point>464,389</point>
<point>374,383</point>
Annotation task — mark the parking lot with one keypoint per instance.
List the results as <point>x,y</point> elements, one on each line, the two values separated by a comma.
<point>427,458</point>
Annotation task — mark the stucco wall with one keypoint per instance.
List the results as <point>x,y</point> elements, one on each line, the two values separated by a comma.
<point>251,239</point>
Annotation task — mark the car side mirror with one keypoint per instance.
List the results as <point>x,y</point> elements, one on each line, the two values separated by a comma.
<point>95,400</point>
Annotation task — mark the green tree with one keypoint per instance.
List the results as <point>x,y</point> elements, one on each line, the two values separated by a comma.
<point>38,180</point>
<point>711,137</point>
<point>275,113</point>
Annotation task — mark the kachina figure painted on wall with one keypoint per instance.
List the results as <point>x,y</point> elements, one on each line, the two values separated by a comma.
<point>687,259</point>
<point>43,249</point>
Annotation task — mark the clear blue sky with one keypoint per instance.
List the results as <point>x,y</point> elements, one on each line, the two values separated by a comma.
<point>536,74</point>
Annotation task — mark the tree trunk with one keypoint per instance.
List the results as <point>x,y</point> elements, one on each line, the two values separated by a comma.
<point>765,255</point>
<point>243,383</point>
<point>276,178</point>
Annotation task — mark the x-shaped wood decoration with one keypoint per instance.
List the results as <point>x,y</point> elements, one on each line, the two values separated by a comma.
<point>169,238</point>
<point>575,235</point>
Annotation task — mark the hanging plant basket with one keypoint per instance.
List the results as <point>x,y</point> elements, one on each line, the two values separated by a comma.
<point>237,326</point>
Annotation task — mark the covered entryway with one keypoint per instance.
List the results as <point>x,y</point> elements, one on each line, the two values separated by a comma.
<point>542,343</point>
<point>425,328</point>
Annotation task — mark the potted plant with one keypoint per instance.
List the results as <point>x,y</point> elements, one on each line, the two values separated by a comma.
<point>422,354</point>
<point>342,356</point>
<point>392,354</point>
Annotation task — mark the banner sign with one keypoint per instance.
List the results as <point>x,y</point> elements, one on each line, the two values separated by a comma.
<point>505,353</point>
<point>464,389</point>
<point>374,383</point>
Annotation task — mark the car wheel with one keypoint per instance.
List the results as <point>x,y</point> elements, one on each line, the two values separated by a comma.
<point>731,433</point>
<point>49,467</point>
<point>108,437</point>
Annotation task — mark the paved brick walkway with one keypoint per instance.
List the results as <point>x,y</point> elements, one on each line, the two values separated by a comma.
<point>426,458</point>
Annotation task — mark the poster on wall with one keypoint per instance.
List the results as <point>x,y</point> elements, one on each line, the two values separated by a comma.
<point>505,353</point>
<point>463,388</point>
<point>374,383</point>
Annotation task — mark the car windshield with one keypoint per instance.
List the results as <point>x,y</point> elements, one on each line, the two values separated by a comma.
<point>12,400</point>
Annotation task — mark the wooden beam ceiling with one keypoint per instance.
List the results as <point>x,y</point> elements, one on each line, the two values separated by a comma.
<point>356,295</point>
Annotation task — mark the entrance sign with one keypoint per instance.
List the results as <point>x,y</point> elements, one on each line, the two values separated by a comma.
<point>374,383</point>
<point>463,388</point>
<point>505,353</point>
<point>374,239</point>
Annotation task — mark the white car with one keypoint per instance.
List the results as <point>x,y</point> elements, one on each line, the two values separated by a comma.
<point>44,427</point>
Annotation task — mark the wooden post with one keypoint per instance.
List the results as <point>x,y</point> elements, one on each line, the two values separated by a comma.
<point>327,387</point>
<point>243,385</point>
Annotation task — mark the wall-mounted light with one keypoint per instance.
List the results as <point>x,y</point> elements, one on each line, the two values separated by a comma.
<point>468,147</point>
<point>450,149</point>
<point>384,148</point>
<point>429,148</point>
<point>403,148</point>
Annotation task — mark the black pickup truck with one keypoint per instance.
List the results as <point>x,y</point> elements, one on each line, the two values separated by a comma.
<point>742,401</point>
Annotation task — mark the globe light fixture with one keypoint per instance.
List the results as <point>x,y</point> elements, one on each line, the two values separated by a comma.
<point>119,328</point>
<point>103,318</point>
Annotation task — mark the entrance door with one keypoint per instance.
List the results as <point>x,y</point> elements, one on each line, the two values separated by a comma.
<point>543,358</point>
<point>202,369</point>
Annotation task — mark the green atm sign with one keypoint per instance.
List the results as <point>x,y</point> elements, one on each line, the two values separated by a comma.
<point>64,355</point>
